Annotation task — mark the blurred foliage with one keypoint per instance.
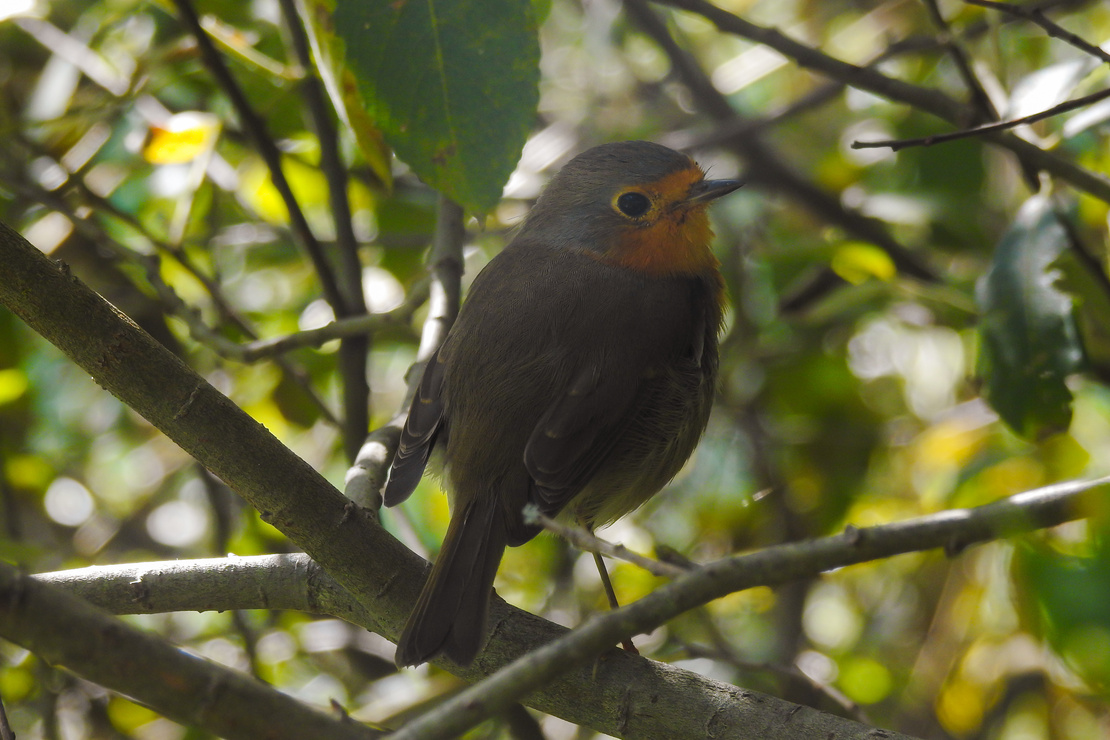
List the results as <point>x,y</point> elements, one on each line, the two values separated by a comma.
<point>860,404</point>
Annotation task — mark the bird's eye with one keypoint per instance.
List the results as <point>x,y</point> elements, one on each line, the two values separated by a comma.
<point>633,204</point>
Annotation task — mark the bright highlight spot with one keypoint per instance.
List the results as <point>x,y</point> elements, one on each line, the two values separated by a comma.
<point>68,502</point>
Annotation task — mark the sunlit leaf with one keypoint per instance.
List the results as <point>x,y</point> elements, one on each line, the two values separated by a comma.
<point>455,98</point>
<point>1048,86</point>
<point>343,88</point>
<point>1029,340</point>
<point>13,384</point>
<point>857,262</point>
<point>183,138</point>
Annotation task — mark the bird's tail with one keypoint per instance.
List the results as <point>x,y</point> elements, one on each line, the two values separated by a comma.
<point>451,614</point>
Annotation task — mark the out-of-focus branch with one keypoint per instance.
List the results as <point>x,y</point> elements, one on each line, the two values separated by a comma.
<point>980,101</point>
<point>924,99</point>
<point>367,475</point>
<point>765,166</point>
<point>1069,105</point>
<point>354,350</point>
<point>255,128</point>
<point>1037,16</point>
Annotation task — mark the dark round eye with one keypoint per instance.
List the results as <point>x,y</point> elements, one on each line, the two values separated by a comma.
<point>633,205</point>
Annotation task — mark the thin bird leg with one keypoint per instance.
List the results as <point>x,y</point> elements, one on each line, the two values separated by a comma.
<point>610,593</point>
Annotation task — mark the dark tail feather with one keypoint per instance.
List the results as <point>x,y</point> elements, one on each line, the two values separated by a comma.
<point>451,614</point>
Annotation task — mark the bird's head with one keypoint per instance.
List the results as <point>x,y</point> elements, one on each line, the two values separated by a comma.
<point>634,204</point>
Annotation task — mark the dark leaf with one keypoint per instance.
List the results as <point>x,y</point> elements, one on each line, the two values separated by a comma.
<point>455,96</point>
<point>1029,340</point>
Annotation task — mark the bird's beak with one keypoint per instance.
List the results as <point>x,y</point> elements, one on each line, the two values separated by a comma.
<point>704,191</point>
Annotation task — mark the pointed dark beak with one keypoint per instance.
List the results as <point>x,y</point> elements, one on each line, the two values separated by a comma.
<point>707,190</point>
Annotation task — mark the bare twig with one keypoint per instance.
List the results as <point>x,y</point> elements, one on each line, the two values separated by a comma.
<point>765,165</point>
<point>338,329</point>
<point>353,351</point>
<point>368,473</point>
<point>590,542</point>
<point>1037,16</point>
<point>951,530</point>
<point>979,98</point>
<point>255,128</point>
<point>930,101</point>
<point>1070,105</point>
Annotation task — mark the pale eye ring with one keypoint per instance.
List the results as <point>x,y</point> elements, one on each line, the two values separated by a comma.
<point>633,204</point>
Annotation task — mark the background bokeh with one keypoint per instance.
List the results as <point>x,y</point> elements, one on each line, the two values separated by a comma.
<point>851,387</point>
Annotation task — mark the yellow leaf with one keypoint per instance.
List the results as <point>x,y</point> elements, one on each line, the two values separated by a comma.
<point>183,138</point>
<point>13,384</point>
<point>856,262</point>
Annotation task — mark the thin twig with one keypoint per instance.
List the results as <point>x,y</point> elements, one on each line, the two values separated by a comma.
<point>979,98</point>
<point>764,164</point>
<point>338,329</point>
<point>590,542</point>
<point>255,128</point>
<point>1070,105</point>
<point>1037,16</point>
<point>930,101</point>
<point>951,530</point>
<point>353,351</point>
<point>368,473</point>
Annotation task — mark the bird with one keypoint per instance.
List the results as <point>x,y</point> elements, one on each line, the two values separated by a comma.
<point>577,377</point>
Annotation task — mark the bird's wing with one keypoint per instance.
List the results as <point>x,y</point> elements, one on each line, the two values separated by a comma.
<point>422,429</point>
<point>577,433</point>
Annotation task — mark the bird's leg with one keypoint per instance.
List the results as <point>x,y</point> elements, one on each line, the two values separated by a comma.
<point>610,593</point>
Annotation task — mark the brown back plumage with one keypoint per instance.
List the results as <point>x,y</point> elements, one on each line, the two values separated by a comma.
<point>578,376</point>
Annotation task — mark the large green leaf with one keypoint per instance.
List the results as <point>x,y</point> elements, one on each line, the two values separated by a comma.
<point>453,84</point>
<point>327,48</point>
<point>1029,340</point>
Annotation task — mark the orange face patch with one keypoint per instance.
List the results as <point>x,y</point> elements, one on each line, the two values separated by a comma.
<point>673,235</point>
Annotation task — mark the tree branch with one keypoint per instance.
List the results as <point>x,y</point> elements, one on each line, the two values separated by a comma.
<point>952,530</point>
<point>1037,16</point>
<point>1068,105</point>
<point>376,569</point>
<point>244,583</point>
<point>67,631</point>
<point>255,128</point>
<point>930,101</point>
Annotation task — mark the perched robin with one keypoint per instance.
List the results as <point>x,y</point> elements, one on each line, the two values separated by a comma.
<point>578,376</point>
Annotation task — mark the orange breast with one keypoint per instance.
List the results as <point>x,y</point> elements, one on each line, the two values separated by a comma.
<point>674,238</point>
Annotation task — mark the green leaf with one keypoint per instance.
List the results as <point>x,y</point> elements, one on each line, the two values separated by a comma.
<point>1064,600</point>
<point>327,49</point>
<point>1029,340</point>
<point>1087,284</point>
<point>453,85</point>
